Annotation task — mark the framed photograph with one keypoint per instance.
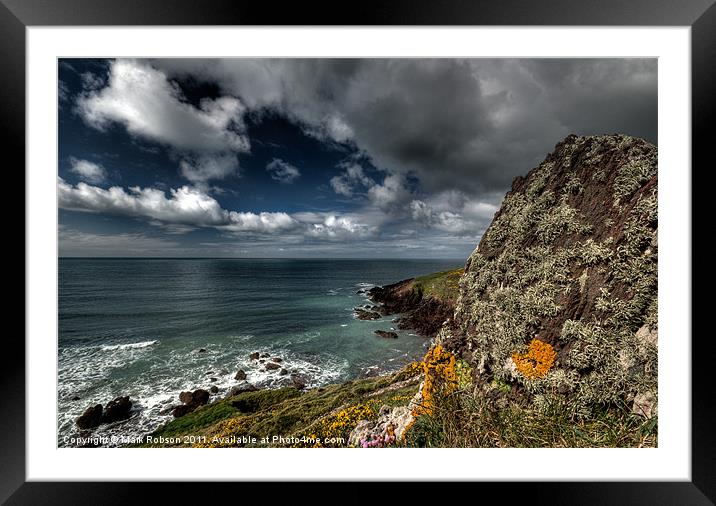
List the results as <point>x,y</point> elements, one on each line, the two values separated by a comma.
<point>420,243</point>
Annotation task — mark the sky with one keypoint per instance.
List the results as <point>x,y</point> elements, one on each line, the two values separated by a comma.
<point>329,158</point>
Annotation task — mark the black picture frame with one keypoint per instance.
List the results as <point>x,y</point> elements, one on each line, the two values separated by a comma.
<point>16,15</point>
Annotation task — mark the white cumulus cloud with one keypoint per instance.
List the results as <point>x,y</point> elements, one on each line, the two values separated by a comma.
<point>89,171</point>
<point>351,180</point>
<point>261,222</point>
<point>282,171</point>
<point>339,227</point>
<point>205,167</point>
<point>186,208</point>
<point>184,205</point>
<point>152,107</point>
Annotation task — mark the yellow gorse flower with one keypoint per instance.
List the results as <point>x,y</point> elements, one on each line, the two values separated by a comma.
<point>340,424</point>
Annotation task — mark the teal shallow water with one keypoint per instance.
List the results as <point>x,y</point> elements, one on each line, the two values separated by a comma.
<point>134,327</point>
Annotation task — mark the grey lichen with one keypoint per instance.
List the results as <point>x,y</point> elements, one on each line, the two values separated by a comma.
<point>641,166</point>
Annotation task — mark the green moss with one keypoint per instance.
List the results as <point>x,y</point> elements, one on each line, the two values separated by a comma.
<point>464,374</point>
<point>501,385</point>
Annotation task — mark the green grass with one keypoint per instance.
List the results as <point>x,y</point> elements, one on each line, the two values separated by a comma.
<point>251,402</point>
<point>287,411</point>
<point>440,285</point>
<point>469,420</point>
<point>196,420</point>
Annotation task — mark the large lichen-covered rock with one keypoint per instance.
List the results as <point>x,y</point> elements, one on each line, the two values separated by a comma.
<point>560,296</point>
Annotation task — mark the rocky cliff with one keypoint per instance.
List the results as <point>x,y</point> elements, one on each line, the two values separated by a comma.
<point>425,302</point>
<point>559,299</point>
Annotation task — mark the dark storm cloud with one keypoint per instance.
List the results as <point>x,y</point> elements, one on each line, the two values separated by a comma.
<point>468,124</point>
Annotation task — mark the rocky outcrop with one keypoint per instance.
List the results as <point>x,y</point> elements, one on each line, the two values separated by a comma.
<point>388,429</point>
<point>299,381</point>
<point>191,401</point>
<point>427,317</point>
<point>397,297</point>
<point>422,308</point>
<point>92,417</point>
<point>365,314</point>
<point>559,300</point>
<point>240,389</point>
<point>116,410</point>
<point>386,334</point>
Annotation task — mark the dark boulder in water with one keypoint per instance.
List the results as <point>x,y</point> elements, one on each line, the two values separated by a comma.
<point>199,397</point>
<point>364,314</point>
<point>272,366</point>
<point>92,417</point>
<point>117,409</point>
<point>386,334</point>
<point>254,355</point>
<point>240,375</point>
<point>191,400</point>
<point>214,389</point>
<point>299,381</point>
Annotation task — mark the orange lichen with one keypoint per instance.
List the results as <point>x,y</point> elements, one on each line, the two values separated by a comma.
<point>441,378</point>
<point>538,360</point>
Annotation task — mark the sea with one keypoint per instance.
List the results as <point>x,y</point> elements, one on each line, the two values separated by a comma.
<point>151,328</point>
